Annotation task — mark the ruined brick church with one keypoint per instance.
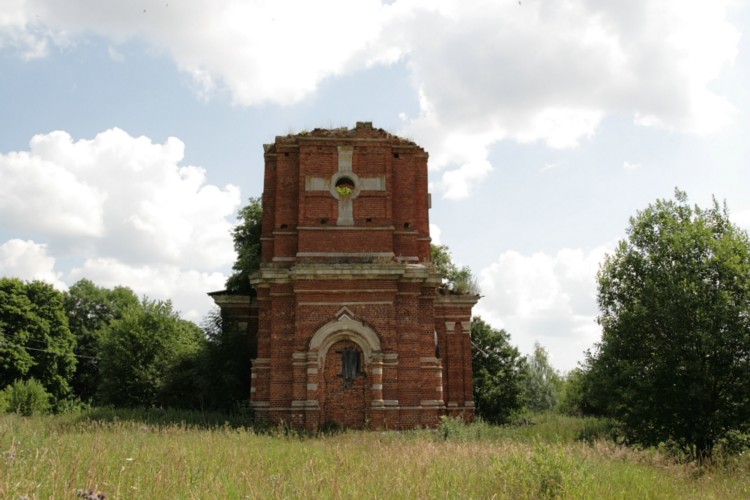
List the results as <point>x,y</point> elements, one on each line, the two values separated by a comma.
<point>349,323</point>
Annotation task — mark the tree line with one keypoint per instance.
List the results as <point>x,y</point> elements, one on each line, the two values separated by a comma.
<point>673,365</point>
<point>100,346</point>
<point>93,345</point>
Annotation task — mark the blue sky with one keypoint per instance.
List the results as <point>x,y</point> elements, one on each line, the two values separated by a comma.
<point>133,132</point>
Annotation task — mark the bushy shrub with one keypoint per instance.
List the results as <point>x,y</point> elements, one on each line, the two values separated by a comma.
<point>71,405</point>
<point>734,443</point>
<point>451,427</point>
<point>26,397</point>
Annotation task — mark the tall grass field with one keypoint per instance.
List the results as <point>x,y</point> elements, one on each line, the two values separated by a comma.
<point>160,455</point>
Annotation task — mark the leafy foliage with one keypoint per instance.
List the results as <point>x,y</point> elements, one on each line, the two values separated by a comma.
<point>141,353</point>
<point>542,383</point>
<point>93,344</point>
<point>25,397</point>
<point>344,190</point>
<point>246,237</point>
<point>217,376</point>
<point>35,341</point>
<point>499,371</point>
<point>459,280</point>
<point>90,310</point>
<point>572,398</point>
<point>674,361</point>
<point>227,358</point>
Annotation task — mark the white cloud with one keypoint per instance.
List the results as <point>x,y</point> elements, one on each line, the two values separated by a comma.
<point>741,218</point>
<point>435,232</point>
<point>485,70</point>
<point>546,298</point>
<point>19,29</point>
<point>29,261</point>
<point>261,51</point>
<point>124,197</point>
<point>626,165</point>
<point>144,220</point>
<point>39,194</point>
<point>115,55</point>
<point>552,71</point>
<point>186,288</point>
<point>457,184</point>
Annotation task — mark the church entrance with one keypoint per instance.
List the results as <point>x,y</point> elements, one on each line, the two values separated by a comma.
<point>345,386</point>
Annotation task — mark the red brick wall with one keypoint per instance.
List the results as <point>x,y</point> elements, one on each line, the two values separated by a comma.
<point>348,240</point>
<point>342,405</point>
<point>453,326</point>
<point>402,207</point>
<point>318,275</point>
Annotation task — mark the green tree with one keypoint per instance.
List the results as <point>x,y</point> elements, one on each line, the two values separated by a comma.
<point>35,341</point>
<point>572,398</point>
<point>542,383</point>
<point>225,367</point>
<point>16,324</point>
<point>459,280</point>
<point>499,370</point>
<point>90,310</point>
<point>246,235</point>
<point>141,353</point>
<point>674,360</point>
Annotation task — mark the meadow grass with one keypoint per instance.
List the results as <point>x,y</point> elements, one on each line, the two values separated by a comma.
<point>164,455</point>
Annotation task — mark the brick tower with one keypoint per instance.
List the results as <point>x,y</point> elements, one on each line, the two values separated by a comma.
<point>349,322</point>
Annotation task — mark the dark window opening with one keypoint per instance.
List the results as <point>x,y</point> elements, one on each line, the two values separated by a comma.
<point>395,155</point>
<point>350,366</point>
<point>406,225</point>
<point>283,226</point>
<point>345,181</point>
<point>324,221</point>
<point>369,219</point>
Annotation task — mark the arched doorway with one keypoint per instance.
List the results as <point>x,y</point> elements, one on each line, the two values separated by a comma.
<point>345,383</point>
<point>345,348</point>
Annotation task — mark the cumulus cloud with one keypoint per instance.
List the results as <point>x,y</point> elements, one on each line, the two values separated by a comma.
<point>144,220</point>
<point>546,298</point>
<point>39,194</point>
<point>742,219</point>
<point>186,288</point>
<point>551,71</point>
<point>125,197</point>
<point>19,30</point>
<point>435,232</point>
<point>29,261</point>
<point>261,51</point>
<point>485,70</point>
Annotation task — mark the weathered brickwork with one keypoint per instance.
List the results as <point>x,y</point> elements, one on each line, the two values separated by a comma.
<point>349,323</point>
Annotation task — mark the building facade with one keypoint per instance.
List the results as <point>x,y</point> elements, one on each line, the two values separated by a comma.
<point>349,322</point>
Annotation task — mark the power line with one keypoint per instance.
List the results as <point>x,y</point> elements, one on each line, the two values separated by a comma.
<point>47,351</point>
<point>47,343</point>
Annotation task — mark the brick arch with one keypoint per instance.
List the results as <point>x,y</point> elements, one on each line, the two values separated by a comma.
<point>345,328</point>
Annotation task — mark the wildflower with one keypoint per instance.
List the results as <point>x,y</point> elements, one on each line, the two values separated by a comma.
<point>91,494</point>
